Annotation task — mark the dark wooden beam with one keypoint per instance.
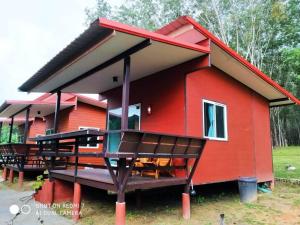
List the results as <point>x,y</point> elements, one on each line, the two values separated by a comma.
<point>26,125</point>
<point>125,94</point>
<point>288,104</point>
<point>57,109</point>
<point>102,66</point>
<point>279,100</point>
<point>21,110</point>
<point>121,176</point>
<point>1,124</point>
<point>11,129</point>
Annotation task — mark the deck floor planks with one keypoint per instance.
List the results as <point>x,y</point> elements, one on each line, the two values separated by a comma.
<point>90,177</point>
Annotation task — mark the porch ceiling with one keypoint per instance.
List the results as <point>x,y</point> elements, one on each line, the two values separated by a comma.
<point>17,121</point>
<point>163,53</point>
<point>9,108</point>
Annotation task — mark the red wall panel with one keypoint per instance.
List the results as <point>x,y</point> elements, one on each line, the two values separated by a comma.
<point>228,160</point>
<point>83,115</point>
<point>36,127</point>
<point>262,138</point>
<point>164,92</point>
<point>248,143</point>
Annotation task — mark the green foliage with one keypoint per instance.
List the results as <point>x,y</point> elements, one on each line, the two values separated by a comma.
<point>38,183</point>
<point>200,199</point>
<point>5,134</point>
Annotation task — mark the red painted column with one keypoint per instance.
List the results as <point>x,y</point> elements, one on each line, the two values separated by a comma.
<point>21,178</point>
<point>120,213</point>
<point>4,175</point>
<point>76,202</point>
<point>186,207</point>
<point>49,190</point>
<point>11,176</point>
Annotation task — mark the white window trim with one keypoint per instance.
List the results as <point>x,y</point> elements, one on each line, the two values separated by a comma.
<point>215,124</point>
<point>88,145</point>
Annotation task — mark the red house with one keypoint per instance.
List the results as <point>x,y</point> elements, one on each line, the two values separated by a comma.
<point>76,112</point>
<point>179,80</point>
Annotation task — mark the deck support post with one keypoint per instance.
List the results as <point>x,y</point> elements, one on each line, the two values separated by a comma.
<point>76,202</point>
<point>49,189</point>
<point>186,206</point>
<point>120,213</point>
<point>57,109</point>
<point>120,204</point>
<point>125,93</point>
<point>11,125</point>
<point>4,175</point>
<point>11,176</point>
<point>26,125</point>
<point>1,124</point>
<point>21,179</point>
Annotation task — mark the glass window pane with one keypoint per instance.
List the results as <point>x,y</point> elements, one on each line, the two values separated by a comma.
<point>93,142</point>
<point>220,121</point>
<point>209,120</point>
<point>134,117</point>
<point>82,140</point>
<point>114,123</point>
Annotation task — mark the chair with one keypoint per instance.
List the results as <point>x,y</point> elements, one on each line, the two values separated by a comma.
<point>159,162</point>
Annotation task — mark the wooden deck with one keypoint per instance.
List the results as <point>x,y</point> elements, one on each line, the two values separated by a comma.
<point>100,178</point>
<point>31,168</point>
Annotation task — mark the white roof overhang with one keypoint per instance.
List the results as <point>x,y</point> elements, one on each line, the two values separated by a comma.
<point>40,109</point>
<point>159,55</point>
<point>238,71</point>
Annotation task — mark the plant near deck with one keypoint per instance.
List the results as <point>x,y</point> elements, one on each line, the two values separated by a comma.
<point>37,185</point>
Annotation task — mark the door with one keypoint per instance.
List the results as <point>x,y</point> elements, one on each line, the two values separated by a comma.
<point>114,123</point>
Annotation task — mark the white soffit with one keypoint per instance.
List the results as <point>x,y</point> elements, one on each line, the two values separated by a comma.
<point>44,109</point>
<point>238,71</point>
<point>154,58</point>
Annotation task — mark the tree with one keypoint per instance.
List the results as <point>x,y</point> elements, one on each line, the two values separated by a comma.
<point>5,134</point>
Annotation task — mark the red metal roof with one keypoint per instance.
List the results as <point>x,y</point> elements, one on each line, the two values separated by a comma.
<point>152,35</point>
<point>183,20</point>
<point>46,103</point>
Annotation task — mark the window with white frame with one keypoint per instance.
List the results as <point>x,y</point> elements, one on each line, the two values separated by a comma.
<point>49,131</point>
<point>92,141</point>
<point>214,120</point>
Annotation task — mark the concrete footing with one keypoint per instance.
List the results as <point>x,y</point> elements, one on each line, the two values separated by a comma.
<point>186,207</point>
<point>76,202</point>
<point>11,176</point>
<point>21,179</point>
<point>4,174</point>
<point>120,213</point>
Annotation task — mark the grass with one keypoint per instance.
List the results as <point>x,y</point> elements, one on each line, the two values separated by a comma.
<point>163,207</point>
<point>283,157</point>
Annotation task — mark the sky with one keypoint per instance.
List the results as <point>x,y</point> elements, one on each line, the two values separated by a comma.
<point>31,33</point>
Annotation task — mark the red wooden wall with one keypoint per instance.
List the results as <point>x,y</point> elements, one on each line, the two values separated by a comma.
<point>83,115</point>
<point>176,102</point>
<point>36,127</point>
<point>248,149</point>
